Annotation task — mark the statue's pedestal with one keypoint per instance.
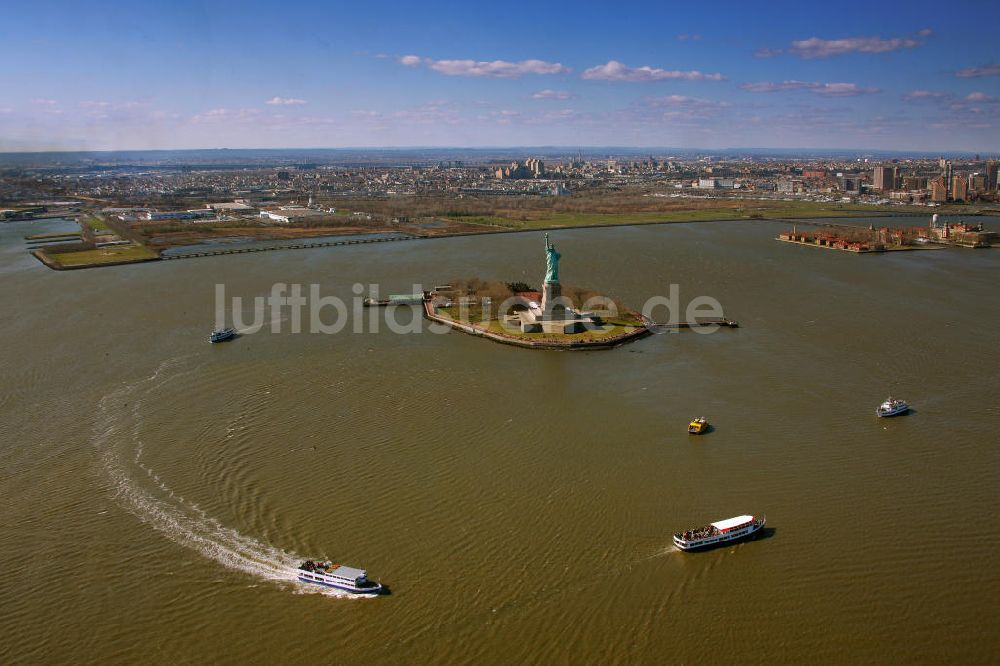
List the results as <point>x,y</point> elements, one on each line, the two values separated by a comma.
<point>552,316</point>
<point>552,309</point>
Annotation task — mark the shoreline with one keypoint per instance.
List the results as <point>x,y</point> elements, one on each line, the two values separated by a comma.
<point>571,345</point>
<point>303,243</point>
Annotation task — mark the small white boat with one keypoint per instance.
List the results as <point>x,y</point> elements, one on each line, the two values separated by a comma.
<point>722,531</point>
<point>892,407</point>
<point>338,576</point>
<point>222,335</point>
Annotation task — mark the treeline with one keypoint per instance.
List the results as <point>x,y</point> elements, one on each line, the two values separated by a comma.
<point>531,207</point>
<point>173,227</point>
<point>500,291</point>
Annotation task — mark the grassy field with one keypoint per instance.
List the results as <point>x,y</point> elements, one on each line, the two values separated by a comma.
<point>745,211</point>
<point>602,333</point>
<point>105,255</point>
<point>96,223</point>
<point>609,330</point>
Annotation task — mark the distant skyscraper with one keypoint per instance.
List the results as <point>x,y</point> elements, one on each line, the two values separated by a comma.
<point>991,176</point>
<point>939,190</point>
<point>532,168</point>
<point>959,188</point>
<point>885,178</point>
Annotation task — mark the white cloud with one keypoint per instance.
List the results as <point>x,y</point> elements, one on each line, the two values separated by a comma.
<point>225,115</point>
<point>683,100</point>
<point>924,94</point>
<point>952,101</point>
<point>434,113</point>
<point>43,102</point>
<point>499,69</point>
<point>814,47</point>
<point>765,52</point>
<point>843,89</point>
<point>616,71</point>
<point>552,94</point>
<point>285,101</point>
<point>992,69</point>
<point>828,89</point>
<point>101,104</point>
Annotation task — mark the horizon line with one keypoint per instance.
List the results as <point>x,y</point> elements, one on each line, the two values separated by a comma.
<point>524,147</point>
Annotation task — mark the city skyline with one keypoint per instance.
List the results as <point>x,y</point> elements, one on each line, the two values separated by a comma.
<point>125,77</point>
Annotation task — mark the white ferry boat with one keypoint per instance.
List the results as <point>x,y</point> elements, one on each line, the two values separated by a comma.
<point>222,335</point>
<point>892,407</point>
<point>338,576</point>
<point>722,531</point>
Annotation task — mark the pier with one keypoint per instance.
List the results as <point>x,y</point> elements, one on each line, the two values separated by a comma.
<point>290,246</point>
<point>697,323</point>
<point>52,239</point>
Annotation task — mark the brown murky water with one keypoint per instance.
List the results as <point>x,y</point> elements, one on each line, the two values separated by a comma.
<point>519,503</point>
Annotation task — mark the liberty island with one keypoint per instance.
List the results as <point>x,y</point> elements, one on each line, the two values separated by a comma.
<point>553,323</point>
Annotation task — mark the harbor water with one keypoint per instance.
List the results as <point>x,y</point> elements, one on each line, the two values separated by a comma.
<point>158,490</point>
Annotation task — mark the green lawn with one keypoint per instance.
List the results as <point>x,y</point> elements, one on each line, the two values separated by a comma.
<point>54,234</point>
<point>749,210</point>
<point>96,223</point>
<point>102,255</point>
<point>612,327</point>
<point>602,333</point>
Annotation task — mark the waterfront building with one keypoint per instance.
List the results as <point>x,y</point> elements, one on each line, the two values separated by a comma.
<point>234,207</point>
<point>977,183</point>
<point>939,190</point>
<point>716,183</point>
<point>290,214</point>
<point>959,189</point>
<point>158,215</point>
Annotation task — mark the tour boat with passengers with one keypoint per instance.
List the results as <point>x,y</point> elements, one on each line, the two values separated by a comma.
<point>730,529</point>
<point>892,407</point>
<point>338,576</point>
<point>222,335</point>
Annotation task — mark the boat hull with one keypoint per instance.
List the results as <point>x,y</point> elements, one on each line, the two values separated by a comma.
<point>376,589</point>
<point>721,540</point>
<point>891,412</point>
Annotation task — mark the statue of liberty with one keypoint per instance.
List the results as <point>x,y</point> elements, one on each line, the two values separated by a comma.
<point>551,262</point>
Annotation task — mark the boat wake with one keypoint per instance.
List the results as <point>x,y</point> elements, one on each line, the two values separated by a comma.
<point>267,325</point>
<point>118,438</point>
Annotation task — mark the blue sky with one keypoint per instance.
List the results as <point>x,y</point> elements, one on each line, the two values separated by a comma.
<point>143,75</point>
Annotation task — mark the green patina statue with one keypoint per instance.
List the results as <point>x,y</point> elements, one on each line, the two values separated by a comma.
<point>551,262</point>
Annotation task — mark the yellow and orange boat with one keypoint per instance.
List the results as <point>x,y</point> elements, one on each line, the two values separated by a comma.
<point>698,426</point>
